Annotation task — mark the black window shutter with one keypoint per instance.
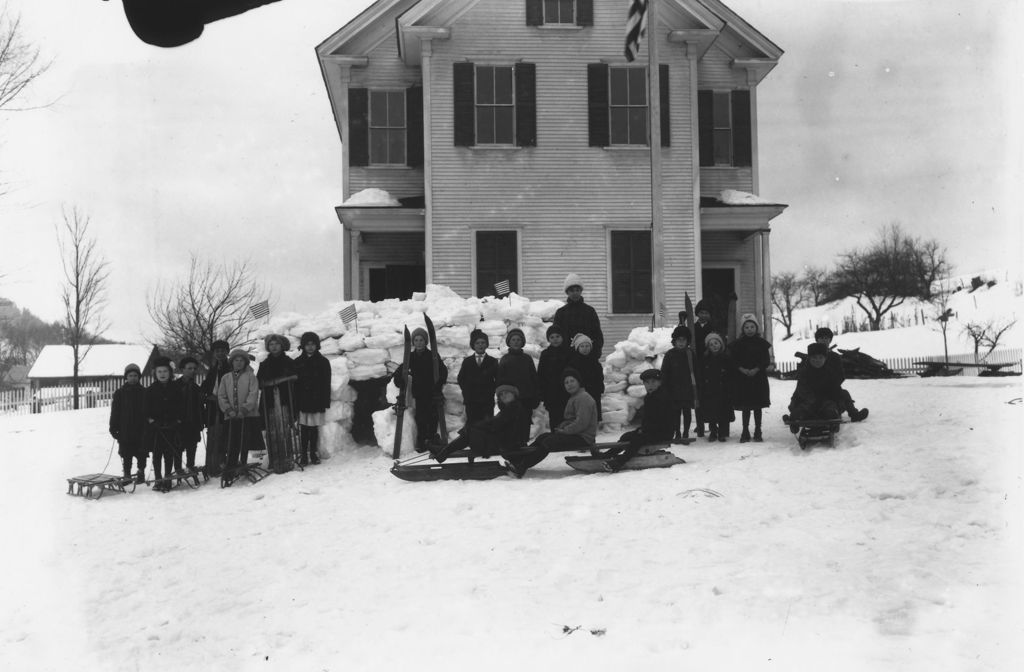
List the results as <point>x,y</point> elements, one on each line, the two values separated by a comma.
<point>465,104</point>
<point>742,153</point>
<point>666,116</point>
<point>414,126</point>
<point>597,104</point>
<point>706,127</point>
<point>534,12</point>
<point>526,104</point>
<point>358,127</point>
<point>584,12</point>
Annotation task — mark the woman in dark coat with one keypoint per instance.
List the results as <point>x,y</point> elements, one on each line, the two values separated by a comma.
<point>752,356</point>
<point>128,422</point>
<point>715,382</point>
<point>312,396</point>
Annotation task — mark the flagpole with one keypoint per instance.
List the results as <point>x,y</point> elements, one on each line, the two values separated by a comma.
<point>654,108</point>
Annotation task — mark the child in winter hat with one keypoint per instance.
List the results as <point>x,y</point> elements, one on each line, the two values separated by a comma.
<point>572,280</point>
<point>278,338</point>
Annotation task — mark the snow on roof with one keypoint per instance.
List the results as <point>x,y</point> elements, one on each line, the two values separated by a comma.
<point>56,361</point>
<point>376,198</point>
<point>735,197</point>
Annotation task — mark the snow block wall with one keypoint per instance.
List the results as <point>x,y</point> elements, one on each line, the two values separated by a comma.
<point>371,347</point>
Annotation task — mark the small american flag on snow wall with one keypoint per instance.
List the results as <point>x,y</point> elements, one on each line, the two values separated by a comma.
<point>348,313</point>
<point>501,288</point>
<point>260,310</point>
<point>636,27</point>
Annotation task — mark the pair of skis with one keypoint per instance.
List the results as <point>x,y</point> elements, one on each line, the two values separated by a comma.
<point>402,402</point>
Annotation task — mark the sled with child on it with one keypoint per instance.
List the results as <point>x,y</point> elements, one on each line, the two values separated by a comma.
<point>470,467</point>
<point>94,486</point>
<point>811,432</point>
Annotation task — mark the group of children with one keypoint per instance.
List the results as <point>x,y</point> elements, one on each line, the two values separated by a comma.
<point>167,418</point>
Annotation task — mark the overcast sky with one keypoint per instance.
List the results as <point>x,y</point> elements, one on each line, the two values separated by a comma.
<point>880,111</point>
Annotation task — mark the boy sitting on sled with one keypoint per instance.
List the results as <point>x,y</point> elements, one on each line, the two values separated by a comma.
<point>818,394</point>
<point>490,436</point>
<point>834,362</point>
<point>658,425</point>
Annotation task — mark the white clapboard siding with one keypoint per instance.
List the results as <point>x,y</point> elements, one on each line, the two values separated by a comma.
<point>714,179</point>
<point>563,195</point>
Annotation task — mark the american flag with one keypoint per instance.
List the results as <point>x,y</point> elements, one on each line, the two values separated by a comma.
<point>348,313</point>
<point>260,310</point>
<point>501,288</point>
<point>636,27</point>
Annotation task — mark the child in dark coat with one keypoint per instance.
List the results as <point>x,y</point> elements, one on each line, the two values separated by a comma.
<point>164,413</point>
<point>128,422</point>
<point>701,328</point>
<point>658,425</point>
<point>590,368</point>
<point>818,393</point>
<point>714,383</point>
<point>834,363</point>
<point>193,410</point>
<point>425,392</point>
<point>276,377</point>
<point>491,436</point>
<point>752,356</point>
<point>553,360</point>
<point>477,377</point>
<point>216,437</point>
<point>516,368</point>
<point>678,377</point>
<point>312,396</point>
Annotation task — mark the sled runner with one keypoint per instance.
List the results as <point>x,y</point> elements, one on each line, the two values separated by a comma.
<point>816,431</point>
<point>189,477</point>
<point>649,458</point>
<point>253,472</point>
<point>418,468</point>
<point>94,486</point>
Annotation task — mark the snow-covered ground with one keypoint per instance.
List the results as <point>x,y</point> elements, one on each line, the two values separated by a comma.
<point>901,549</point>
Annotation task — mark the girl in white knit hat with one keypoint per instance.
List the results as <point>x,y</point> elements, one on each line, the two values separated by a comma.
<point>752,356</point>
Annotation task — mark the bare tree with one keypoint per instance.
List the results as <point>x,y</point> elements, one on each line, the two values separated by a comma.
<point>20,63</point>
<point>890,271</point>
<point>212,303</point>
<point>84,289</point>
<point>987,334</point>
<point>788,294</point>
<point>817,282</point>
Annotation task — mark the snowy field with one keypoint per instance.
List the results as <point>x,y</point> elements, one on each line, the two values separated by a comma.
<point>901,549</point>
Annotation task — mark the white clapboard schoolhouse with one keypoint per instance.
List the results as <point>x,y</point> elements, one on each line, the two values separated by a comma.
<point>512,139</point>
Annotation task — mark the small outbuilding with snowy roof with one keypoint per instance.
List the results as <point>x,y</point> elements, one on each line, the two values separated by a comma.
<point>55,363</point>
<point>492,140</point>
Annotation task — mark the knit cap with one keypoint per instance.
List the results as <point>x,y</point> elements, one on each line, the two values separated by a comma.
<point>749,317</point>
<point>579,339</point>
<point>569,372</point>
<point>572,280</point>
<point>283,340</point>
<point>310,337</point>
<point>476,335</point>
<point>513,332</point>
<point>507,388</point>
<point>420,331</point>
<point>713,337</point>
<point>132,367</point>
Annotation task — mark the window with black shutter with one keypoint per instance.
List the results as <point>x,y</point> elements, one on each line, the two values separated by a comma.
<point>559,12</point>
<point>617,100</point>
<point>495,104</point>
<point>724,125</point>
<point>497,259</point>
<point>631,271</point>
<point>387,116</point>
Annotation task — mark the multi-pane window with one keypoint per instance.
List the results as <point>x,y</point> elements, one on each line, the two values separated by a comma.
<point>627,102</point>
<point>631,271</point>
<point>387,127</point>
<point>495,105</point>
<point>497,259</point>
<point>722,128</point>
<point>725,127</point>
<point>559,11</point>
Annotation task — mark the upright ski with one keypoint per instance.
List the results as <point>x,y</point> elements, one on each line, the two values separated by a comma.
<point>442,424</point>
<point>689,351</point>
<point>401,403</point>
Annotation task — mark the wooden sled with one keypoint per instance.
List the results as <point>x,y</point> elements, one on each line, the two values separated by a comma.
<point>652,460</point>
<point>94,486</point>
<point>189,477</point>
<point>816,432</point>
<point>458,471</point>
<point>252,472</point>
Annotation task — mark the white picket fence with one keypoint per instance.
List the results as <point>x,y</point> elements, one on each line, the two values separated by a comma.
<point>909,365</point>
<point>52,398</point>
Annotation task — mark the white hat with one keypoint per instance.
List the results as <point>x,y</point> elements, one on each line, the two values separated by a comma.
<point>572,280</point>
<point>749,317</point>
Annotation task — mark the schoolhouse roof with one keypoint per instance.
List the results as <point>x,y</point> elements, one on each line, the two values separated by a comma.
<point>57,361</point>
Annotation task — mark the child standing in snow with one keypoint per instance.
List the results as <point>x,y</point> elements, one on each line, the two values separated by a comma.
<point>312,396</point>
<point>216,447</point>
<point>238,395</point>
<point>476,379</point>
<point>701,328</point>
<point>276,376</point>
<point>516,368</point>
<point>128,422</point>
<point>193,409</point>
<point>425,392</point>
<point>659,422</point>
<point>752,357</point>
<point>553,360</point>
<point>818,394</point>
<point>714,387</point>
<point>590,368</point>
<point>678,377</point>
<point>164,414</point>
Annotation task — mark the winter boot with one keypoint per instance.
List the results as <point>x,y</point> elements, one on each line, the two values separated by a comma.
<point>858,416</point>
<point>757,435</point>
<point>712,434</point>
<point>700,430</point>
<point>126,467</point>
<point>745,436</point>
<point>314,445</point>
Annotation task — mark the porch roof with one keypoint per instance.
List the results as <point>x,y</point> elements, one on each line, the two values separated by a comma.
<point>718,216</point>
